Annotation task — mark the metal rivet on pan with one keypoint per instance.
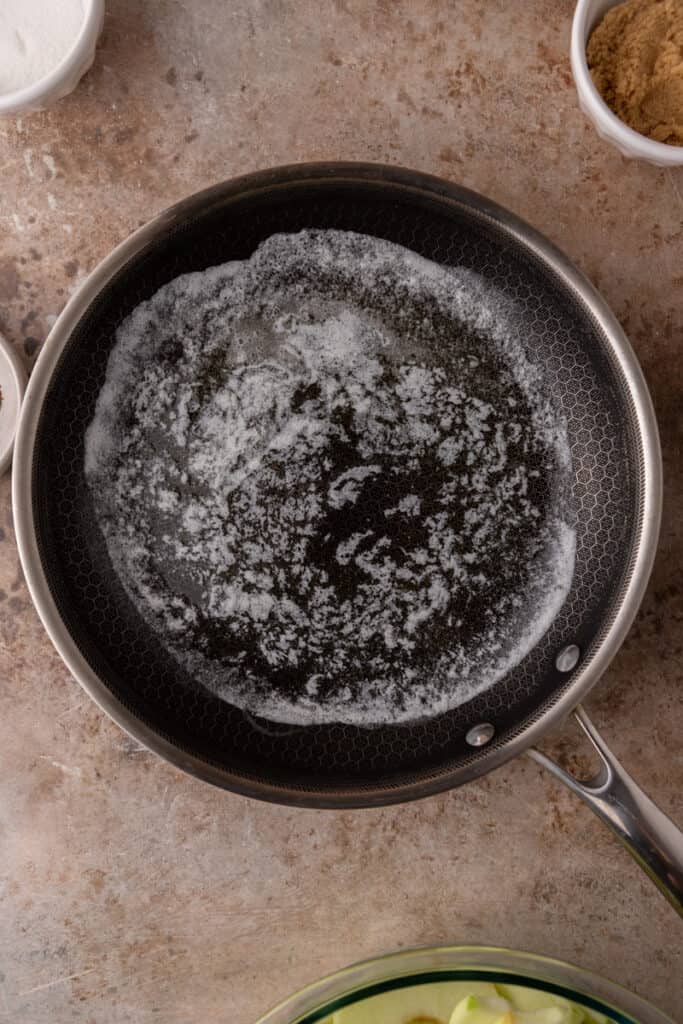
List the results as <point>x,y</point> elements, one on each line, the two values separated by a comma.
<point>567,658</point>
<point>481,734</point>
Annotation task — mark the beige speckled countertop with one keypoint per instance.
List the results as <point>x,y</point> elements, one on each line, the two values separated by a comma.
<point>132,893</point>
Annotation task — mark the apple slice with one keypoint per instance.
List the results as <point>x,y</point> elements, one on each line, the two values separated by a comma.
<point>421,1004</point>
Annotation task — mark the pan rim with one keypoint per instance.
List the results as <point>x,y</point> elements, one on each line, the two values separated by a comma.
<point>421,184</point>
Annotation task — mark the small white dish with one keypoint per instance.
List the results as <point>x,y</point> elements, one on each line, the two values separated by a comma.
<point>611,128</point>
<point>12,387</point>
<point>63,78</point>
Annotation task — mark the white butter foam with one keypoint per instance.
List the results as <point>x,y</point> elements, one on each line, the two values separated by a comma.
<point>331,479</point>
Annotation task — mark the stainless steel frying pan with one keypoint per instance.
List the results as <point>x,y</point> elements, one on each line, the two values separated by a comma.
<point>616,495</point>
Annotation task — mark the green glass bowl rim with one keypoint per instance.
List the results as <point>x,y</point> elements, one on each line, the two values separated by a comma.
<point>404,968</point>
<point>462,974</point>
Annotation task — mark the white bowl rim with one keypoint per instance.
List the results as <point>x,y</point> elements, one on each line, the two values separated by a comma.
<point>69,64</point>
<point>640,145</point>
<point>15,372</point>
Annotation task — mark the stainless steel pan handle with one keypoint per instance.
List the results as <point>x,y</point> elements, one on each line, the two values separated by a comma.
<point>646,832</point>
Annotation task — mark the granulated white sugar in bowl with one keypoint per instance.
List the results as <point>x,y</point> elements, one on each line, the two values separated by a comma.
<point>35,36</point>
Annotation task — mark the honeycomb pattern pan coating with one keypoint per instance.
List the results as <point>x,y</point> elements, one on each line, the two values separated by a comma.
<point>114,653</point>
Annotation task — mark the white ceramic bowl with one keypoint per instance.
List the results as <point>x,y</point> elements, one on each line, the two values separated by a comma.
<point>629,142</point>
<point>12,386</point>
<point>65,76</point>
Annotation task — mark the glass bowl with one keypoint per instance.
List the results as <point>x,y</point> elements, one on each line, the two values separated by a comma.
<point>463,963</point>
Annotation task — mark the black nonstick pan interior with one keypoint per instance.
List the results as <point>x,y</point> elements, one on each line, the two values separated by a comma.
<point>336,764</point>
